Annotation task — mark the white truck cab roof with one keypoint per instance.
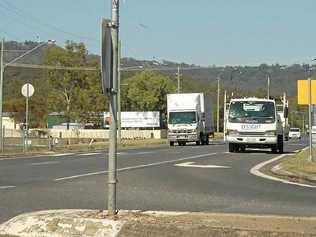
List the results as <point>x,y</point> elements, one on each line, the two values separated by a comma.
<point>252,99</point>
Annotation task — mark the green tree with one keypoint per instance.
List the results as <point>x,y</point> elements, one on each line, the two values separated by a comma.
<point>75,93</point>
<point>147,91</point>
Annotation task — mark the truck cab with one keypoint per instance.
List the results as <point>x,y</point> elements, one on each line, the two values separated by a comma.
<point>254,123</point>
<point>189,118</point>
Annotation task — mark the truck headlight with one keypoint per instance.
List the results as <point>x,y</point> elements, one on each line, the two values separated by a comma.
<point>232,132</point>
<point>270,133</point>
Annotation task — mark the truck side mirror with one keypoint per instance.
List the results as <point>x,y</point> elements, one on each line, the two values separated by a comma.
<point>286,112</point>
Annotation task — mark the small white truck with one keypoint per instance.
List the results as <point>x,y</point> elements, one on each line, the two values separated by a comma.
<point>189,118</point>
<point>254,123</point>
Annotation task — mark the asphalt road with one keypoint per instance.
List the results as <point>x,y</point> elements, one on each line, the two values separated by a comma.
<point>175,179</point>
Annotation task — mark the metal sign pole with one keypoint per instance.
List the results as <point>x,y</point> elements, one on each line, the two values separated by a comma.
<point>112,177</point>
<point>225,95</point>
<point>310,156</point>
<point>27,119</point>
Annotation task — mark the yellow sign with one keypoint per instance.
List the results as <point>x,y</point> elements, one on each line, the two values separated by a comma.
<point>302,92</point>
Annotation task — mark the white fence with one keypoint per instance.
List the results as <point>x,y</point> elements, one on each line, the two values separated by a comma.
<point>94,133</point>
<point>104,134</point>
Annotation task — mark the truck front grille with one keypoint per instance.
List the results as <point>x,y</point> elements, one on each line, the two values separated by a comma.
<point>251,133</point>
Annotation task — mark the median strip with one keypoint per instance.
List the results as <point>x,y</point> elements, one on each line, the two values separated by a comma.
<point>136,167</point>
<point>256,171</point>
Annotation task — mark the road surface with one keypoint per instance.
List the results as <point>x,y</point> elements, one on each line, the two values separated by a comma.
<point>190,178</point>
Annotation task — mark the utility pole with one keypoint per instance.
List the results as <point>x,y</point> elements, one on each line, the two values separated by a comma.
<point>218,92</point>
<point>112,176</point>
<point>178,77</point>
<point>1,94</point>
<point>119,135</point>
<point>310,155</point>
<point>225,101</point>
<point>268,89</point>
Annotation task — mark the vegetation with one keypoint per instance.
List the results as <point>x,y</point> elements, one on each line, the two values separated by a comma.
<point>300,163</point>
<point>77,94</point>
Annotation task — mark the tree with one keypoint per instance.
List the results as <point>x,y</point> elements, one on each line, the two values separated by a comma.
<point>147,91</point>
<point>75,93</point>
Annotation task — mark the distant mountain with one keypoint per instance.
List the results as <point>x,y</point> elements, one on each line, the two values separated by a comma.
<point>245,78</point>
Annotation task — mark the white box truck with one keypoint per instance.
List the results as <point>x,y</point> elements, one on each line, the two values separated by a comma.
<point>255,123</point>
<point>189,118</point>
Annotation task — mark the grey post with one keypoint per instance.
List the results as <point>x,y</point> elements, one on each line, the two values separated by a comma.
<point>27,118</point>
<point>310,155</point>
<point>119,94</point>
<point>1,92</point>
<point>224,130</point>
<point>112,177</point>
<point>218,93</point>
<point>268,86</point>
<point>3,138</point>
<point>178,78</point>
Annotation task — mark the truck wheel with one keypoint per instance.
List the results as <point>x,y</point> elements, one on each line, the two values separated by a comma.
<point>243,148</point>
<point>280,144</point>
<point>171,143</point>
<point>180,143</point>
<point>274,149</point>
<point>207,142</point>
<point>231,147</point>
<point>184,143</point>
<point>198,143</point>
<point>237,148</point>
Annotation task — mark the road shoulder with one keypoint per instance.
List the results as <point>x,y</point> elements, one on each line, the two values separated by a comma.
<point>59,223</point>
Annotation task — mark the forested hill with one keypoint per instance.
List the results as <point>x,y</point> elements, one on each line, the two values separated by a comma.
<point>244,78</point>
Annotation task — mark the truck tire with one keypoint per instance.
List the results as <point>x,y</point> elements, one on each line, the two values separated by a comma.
<point>171,143</point>
<point>231,147</point>
<point>207,142</point>
<point>198,143</point>
<point>274,149</point>
<point>280,144</point>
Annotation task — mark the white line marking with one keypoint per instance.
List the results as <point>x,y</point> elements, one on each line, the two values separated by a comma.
<point>142,153</point>
<point>136,167</point>
<point>191,164</point>
<point>256,171</point>
<point>90,154</point>
<point>46,163</point>
<point>7,187</point>
<point>63,154</point>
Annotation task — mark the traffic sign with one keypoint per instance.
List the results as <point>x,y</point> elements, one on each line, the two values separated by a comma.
<point>107,57</point>
<point>27,90</point>
<point>302,92</point>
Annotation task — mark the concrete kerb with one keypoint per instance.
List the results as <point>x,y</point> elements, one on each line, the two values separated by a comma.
<point>257,171</point>
<point>91,223</point>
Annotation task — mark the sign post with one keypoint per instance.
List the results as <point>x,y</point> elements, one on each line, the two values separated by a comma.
<point>109,67</point>
<point>27,91</point>
<point>305,90</point>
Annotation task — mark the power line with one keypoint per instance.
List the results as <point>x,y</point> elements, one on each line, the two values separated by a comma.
<point>52,67</point>
<point>24,14</point>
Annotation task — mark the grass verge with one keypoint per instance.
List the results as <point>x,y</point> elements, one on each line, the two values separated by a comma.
<point>300,163</point>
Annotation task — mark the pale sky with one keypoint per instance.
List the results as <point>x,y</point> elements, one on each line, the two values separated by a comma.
<point>204,32</point>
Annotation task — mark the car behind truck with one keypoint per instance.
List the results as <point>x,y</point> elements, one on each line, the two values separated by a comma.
<point>189,118</point>
<point>254,123</point>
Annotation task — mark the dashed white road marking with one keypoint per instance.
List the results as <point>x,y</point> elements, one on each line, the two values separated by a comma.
<point>7,187</point>
<point>90,154</point>
<point>63,154</point>
<point>137,166</point>
<point>256,171</point>
<point>192,165</point>
<point>46,163</point>
<point>142,153</point>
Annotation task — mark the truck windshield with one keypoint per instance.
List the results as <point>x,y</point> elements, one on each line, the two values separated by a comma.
<point>251,112</point>
<point>182,117</point>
